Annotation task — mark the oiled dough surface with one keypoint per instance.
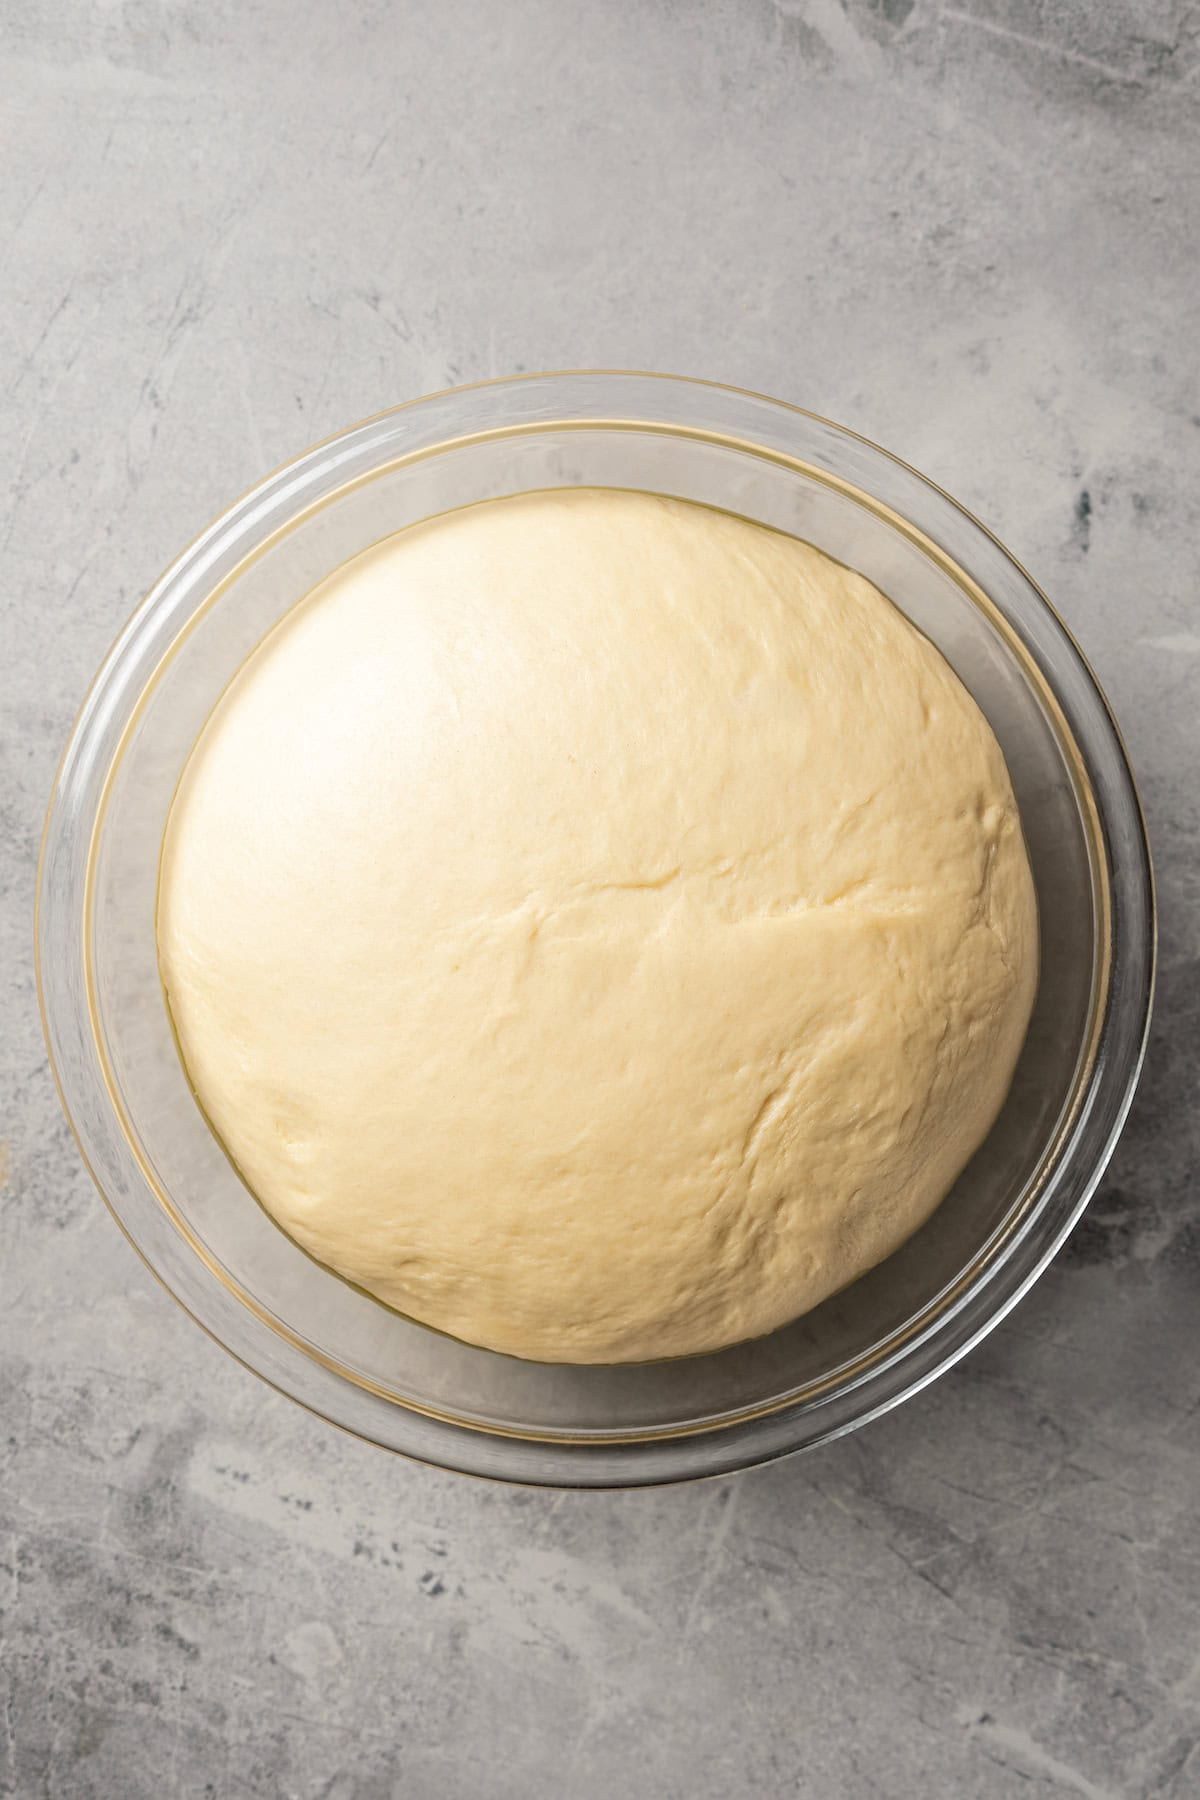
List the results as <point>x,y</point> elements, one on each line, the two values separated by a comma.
<point>598,926</point>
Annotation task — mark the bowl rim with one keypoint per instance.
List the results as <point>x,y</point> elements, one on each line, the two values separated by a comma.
<point>742,1438</point>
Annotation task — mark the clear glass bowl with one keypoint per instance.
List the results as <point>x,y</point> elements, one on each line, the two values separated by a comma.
<point>334,1349</point>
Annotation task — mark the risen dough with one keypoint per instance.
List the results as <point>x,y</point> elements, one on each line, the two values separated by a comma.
<point>598,926</point>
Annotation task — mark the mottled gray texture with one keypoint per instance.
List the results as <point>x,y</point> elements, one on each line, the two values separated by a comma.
<point>231,226</point>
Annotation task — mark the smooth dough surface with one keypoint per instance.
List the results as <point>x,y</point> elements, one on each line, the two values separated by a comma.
<point>598,926</point>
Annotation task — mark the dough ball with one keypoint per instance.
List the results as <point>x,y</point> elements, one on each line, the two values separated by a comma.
<point>597,925</point>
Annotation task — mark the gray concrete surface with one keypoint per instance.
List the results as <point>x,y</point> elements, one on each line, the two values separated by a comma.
<point>970,231</point>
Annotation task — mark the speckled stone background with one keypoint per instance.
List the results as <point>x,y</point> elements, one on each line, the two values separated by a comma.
<point>970,231</point>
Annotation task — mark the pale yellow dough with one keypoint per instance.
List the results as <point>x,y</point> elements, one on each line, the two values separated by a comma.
<point>598,926</point>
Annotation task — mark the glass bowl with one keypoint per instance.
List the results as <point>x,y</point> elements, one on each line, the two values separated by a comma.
<point>332,1348</point>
